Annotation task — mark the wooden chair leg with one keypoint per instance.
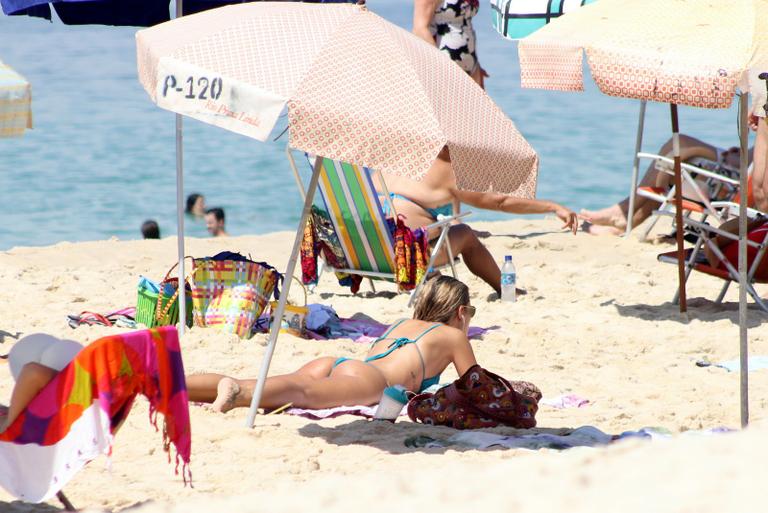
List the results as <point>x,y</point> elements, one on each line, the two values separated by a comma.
<point>65,502</point>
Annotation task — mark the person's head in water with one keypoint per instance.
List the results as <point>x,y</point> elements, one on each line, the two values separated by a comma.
<point>214,221</point>
<point>150,229</point>
<point>446,300</point>
<point>196,205</point>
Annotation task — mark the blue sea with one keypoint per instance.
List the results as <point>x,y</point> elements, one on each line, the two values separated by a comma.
<point>101,158</point>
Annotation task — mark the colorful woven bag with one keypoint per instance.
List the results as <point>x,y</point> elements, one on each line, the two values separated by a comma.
<point>478,399</point>
<point>229,292</point>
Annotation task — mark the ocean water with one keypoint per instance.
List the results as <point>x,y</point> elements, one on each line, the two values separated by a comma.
<point>101,158</point>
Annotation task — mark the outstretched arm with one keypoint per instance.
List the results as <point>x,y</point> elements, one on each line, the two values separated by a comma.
<point>423,12</point>
<point>511,205</point>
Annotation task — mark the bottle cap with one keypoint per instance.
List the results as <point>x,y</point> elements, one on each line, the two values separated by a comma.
<point>508,258</point>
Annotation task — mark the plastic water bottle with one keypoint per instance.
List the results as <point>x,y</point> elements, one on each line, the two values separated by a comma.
<point>508,280</point>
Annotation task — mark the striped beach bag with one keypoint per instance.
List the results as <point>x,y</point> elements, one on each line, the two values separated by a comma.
<point>230,291</point>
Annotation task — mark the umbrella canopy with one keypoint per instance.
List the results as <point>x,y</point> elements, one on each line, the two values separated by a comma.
<point>357,89</point>
<point>15,103</point>
<point>687,52</point>
<point>515,19</point>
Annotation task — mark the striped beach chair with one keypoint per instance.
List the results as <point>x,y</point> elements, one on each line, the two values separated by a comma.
<point>348,196</point>
<point>15,103</point>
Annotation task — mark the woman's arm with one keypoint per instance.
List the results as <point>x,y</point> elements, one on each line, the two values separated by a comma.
<point>511,205</point>
<point>423,12</point>
<point>760,173</point>
<point>463,356</point>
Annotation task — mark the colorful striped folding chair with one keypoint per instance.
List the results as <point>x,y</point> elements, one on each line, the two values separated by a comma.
<point>15,103</point>
<point>349,197</point>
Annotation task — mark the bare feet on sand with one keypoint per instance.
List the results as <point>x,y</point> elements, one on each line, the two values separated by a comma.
<point>611,216</point>
<point>226,398</point>
<point>595,229</point>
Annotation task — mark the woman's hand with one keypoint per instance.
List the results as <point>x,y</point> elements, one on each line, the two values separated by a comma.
<point>479,76</point>
<point>568,217</point>
<point>753,121</point>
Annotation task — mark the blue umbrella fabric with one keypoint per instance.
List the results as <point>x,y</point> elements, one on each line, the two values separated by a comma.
<point>138,13</point>
<point>515,19</point>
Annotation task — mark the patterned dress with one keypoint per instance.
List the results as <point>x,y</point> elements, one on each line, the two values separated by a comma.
<point>453,32</point>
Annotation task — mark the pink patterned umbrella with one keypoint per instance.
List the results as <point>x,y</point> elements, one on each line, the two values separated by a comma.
<point>357,89</point>
<point>687,52</point>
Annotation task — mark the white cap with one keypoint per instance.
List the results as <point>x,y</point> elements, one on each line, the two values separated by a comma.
<point>43,349</point>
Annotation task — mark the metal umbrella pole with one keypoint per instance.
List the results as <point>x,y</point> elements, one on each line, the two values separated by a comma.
<point>180,208</point>
<point>678,206</point>
<point>743,340</point>
<point>277,316</point>
<point>636,166</point>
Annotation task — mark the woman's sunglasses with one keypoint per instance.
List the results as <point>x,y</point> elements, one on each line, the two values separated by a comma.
<point>470,310</point>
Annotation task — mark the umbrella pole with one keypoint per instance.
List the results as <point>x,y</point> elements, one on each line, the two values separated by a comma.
<point>743,340</point>
<point>636,167</point>
<point>678,207</point>
<point>277,316</point>
<point>180,210</point>
<point>180,224</point>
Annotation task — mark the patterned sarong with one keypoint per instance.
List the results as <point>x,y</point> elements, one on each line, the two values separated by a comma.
<point>73,419</point>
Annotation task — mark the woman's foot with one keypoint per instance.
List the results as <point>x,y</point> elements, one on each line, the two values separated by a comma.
<point>227,392</point>
<point>594,229</point>
<point>611,216</point>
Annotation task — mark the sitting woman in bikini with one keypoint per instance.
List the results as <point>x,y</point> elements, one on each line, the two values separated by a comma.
<point>412,353</point>
<point>421,202</point>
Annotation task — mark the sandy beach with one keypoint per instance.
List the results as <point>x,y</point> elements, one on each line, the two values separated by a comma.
<point>596,322</point>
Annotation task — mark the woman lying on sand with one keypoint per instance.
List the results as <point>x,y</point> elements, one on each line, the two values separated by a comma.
<point>613,220</point>
<point>421,202</point>
<point>412,353</point>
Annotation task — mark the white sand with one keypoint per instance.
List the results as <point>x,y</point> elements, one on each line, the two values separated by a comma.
<point>596,322</point>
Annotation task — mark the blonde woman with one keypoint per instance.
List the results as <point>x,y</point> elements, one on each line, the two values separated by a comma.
<point>412,353</point>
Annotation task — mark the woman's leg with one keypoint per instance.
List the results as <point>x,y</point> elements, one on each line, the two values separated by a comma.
<point>32,379</point>
<point>478,259</point>
<point>304,391</point>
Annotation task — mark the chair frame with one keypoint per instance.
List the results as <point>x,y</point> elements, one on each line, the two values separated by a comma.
<point>704,232</point>
<point>443,224</point>
<point>709,207</point>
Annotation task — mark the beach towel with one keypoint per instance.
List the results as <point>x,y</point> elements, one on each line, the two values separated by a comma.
<point>74,418</point>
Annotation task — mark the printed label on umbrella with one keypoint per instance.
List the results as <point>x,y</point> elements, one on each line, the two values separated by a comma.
<point>195,92</point>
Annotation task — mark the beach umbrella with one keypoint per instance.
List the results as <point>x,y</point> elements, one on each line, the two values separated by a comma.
<point>515,19</point>
<point>682,52</point>
<point>15,103</point>
<point>356,87</point>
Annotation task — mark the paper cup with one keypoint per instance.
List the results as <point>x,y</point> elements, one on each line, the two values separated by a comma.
<point>391,404</point>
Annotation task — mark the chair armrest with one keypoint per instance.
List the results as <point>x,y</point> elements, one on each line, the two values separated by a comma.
<point>688,167</point>
<point>734,208</point>
<point>445,220</point>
